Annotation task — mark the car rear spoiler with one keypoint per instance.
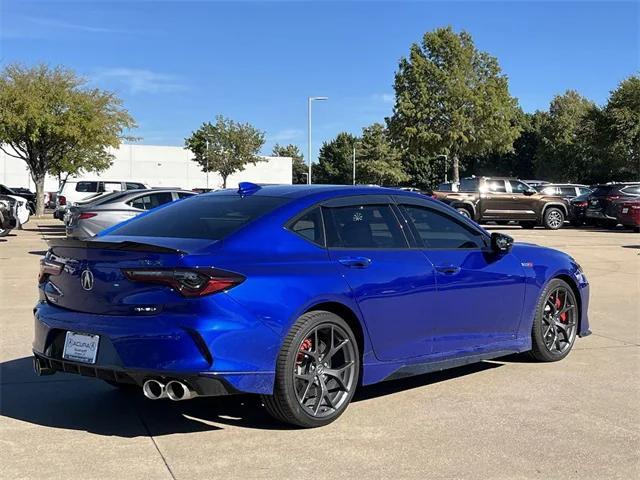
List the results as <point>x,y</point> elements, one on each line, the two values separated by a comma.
<point>128,245</point>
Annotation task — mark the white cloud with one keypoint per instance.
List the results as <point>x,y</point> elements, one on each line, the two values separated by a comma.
<point>286,135</point>
<point>140,80</point>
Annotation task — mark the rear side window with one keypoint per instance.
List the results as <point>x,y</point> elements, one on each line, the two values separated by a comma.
<point>496,186</point>
<point>363,226</point>
<point>211,217</point>
<point>468,185</point>
<point>134,186</point>
<point>185,194</point>
<point>584,191</point>
<point>153,200</point>
<point>309,226</point>
<point>439,230</point>
<point>569,191</point>
<point>87,187</point>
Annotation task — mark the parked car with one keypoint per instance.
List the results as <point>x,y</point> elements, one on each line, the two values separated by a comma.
<point>629,214</point>
<point>73,191</point>
<point>19,209</point>
<point>91,218</point>
<point>447,187</point>
<point>536,183</point>
<point>503,199</point>
<point>25,193</point>
<point>603,202</point>
<point>8,217</point>
<point>578,209</point>
<point>300,294</point>
<point>566,190</point>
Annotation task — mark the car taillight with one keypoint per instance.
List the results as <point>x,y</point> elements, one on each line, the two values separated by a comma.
<point>48,268</point>
<point>85,215</point>
<point>62,200</point>
<point>612,197</point>
<point>581,204</point>
<point>188,282</point>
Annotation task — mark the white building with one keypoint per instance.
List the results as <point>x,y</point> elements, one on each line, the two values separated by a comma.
<point>156,166</point>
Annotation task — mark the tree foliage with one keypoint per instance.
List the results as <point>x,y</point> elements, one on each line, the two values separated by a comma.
<point>335,161</point>
<point>378,162</point>
<point>451,99</point>
<point>300,169</point>
<point>225,147</point>
<point>49,119</point>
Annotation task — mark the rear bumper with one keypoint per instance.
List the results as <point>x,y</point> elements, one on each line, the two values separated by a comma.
<point>234,350</point>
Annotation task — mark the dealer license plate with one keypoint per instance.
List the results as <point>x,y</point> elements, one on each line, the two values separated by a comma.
<point>80,347</point>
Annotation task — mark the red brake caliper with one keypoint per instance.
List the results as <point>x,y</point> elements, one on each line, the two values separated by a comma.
<point>563,316</point>
<point>306,346</point>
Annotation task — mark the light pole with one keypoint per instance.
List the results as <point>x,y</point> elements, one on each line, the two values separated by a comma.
<point>446,161</point>
<point>207,157</point>
<point>310,99</point>
<point>354,165</point>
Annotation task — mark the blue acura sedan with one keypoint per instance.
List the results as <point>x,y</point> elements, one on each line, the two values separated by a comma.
<point>299,294</point>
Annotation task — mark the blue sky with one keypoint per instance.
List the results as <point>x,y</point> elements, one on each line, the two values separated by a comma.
<point>177,64</point>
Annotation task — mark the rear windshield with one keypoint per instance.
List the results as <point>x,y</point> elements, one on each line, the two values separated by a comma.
<point>602,190</point>
<point>211,217</point>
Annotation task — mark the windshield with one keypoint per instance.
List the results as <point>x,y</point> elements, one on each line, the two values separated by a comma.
<point>210,216</point>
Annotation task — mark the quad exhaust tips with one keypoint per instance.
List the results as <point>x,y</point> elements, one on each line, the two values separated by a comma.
<point>174,390</point>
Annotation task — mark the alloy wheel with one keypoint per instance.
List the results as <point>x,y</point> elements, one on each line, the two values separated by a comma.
<point>554,219</point>
<point>325,370</point>
<point>559,321</point>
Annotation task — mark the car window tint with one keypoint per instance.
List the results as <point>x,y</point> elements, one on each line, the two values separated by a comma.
<point>584,191</point>
<point>87,187</point>
<point>569,191</point>
<point>363,226</point>
<point>309,226</point>
<point>134,186</point>
<point>153,200</point>
<point>211,217</point>
<point>185,194</point>
<point>519,187</point>
<point>496,186</point>
<point>439,230</point>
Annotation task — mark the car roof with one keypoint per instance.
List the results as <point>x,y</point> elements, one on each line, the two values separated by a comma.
<point>301,191</point>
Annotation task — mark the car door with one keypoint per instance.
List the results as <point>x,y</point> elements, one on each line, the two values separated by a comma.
<point>480,293</point>
<point>522,200</point>
<point>494,200</point>
<point>392,284</point>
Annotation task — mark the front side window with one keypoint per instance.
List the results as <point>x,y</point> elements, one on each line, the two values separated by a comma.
<point>439,230</point>
<point>363,226</point>
<point>309,226</point>
<point>87,187</point>
<point>519,187</point>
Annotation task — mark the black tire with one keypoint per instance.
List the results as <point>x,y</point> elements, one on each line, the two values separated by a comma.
<point>528,225</point>
<point>565,330</point>
<point>464,212</point>
<point>4,232</point>
<point>553,218</point>
<point>285,403</point>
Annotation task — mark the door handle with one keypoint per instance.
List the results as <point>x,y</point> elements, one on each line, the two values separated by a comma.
<point>448,269</point>
<point>355,262</point>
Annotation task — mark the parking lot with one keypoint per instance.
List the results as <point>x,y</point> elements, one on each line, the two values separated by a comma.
<point>509,418</point>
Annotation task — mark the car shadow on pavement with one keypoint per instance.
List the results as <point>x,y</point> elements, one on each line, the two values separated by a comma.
<point>76,403</point>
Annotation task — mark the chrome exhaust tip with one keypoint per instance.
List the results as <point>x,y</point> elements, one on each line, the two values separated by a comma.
<point>41,368</point>
<point>176,391</point>
<point>154,390</point>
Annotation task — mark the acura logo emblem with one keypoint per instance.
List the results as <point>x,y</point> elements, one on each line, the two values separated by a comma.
<point>86,279</point>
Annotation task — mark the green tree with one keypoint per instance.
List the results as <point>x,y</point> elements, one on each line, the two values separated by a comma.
<point>620,132</point>
<point>566,148</point>
<point>49,119</point>
<point>225,147</point>
<point>451,99</point>
<point>300,169</point>
<point>335,161</point>
<point>377,160</point>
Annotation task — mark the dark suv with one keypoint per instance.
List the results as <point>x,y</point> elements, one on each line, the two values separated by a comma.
<point>506,199</point>
<point>603,202</point>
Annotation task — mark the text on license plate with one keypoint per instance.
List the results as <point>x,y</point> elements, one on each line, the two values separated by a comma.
<point>625,210</point>
<point>80,347</point>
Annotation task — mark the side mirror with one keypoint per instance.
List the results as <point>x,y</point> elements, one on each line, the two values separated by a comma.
<point>530,192</point>
<point>501,243</point>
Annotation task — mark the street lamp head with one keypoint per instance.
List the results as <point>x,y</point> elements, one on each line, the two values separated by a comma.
<point>318,98</point>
